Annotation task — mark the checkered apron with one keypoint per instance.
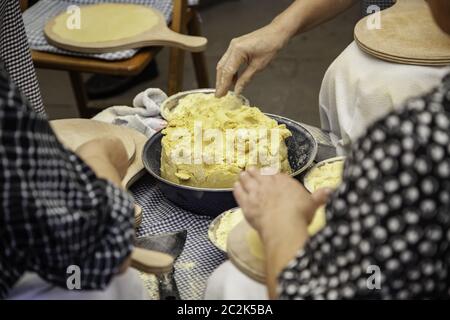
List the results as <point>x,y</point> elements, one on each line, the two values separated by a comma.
<point>37,16</point>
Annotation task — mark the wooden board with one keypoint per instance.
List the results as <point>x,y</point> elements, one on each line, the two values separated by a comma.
<point>241,255</point>
<point>74,132</point>
<point>408,35</point>
<point>432,63</point>
<point>157,35</point>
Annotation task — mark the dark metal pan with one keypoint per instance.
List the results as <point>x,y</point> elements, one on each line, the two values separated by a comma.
<point>302,150</point>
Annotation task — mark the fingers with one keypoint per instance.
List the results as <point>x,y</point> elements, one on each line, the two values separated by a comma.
<point>248,182</point>
<point>219,70</point>
<point>227,68</point>
<point>239,194</point>
<point>244,79</point>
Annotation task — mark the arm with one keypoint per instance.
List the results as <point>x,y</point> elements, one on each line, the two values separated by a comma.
<point>56,210</point>
<point>107,157</point>
<point>304,15</point>
<point>258,49</point>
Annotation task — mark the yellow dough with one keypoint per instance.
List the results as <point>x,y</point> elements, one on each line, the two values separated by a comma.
<point>230,219</point>
<point>217,164</point>
<point>106,22</point>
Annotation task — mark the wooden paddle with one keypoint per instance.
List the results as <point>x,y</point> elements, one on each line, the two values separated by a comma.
<point>150,261</point>
<point>156,35</point>
<point>408,35</point>
<point>241,254</point>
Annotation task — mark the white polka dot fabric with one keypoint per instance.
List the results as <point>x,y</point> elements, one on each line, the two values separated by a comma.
<point>392,212</point>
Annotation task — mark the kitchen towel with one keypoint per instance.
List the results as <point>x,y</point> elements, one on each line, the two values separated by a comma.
<point>144,116</point>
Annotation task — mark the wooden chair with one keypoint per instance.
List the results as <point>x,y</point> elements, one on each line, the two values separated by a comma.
<point>185,19</point>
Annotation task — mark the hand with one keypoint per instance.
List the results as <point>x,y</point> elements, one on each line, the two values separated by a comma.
<point>280,209</point>
<point>105,152</point>
<point>256,49</point>
<point>274,204</point>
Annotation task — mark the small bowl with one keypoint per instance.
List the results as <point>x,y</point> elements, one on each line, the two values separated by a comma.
<point>316,166</point>
<point>214,225</point>
<point>170,103</point>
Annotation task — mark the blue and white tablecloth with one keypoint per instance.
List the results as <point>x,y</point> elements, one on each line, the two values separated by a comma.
<point>199,257</point>
<point>37,16</point>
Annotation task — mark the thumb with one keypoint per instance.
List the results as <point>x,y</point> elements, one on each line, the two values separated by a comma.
<point>321,196</point>
<point>244,79</point>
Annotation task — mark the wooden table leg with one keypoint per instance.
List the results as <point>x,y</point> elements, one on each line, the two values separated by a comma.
<point>200,66</point>
<point>79,92</point>
<point>176,63</point>
<point>176,71</point>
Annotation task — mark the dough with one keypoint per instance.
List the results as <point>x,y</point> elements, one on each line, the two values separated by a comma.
<point>106,22</point>
<point>208,161</point>
<point>230,219</point>
<point>328,175</point>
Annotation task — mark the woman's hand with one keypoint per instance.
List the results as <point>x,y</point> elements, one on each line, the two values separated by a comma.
<point>274,204</point>
<point>256,49</point>
<point>280,209</point>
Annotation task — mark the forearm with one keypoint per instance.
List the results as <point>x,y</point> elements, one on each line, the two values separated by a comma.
<point>103,168</point>
<point>304,15</point>
<point>280,250</point>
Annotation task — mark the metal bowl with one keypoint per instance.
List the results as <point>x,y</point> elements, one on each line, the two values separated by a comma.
<point>302,150</point>
<point>170,103</point>
<point>306,181</point>
<point>214,225</point>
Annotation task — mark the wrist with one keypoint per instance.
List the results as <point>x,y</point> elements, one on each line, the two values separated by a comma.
<point>283,31</point>
<point>276,231</point>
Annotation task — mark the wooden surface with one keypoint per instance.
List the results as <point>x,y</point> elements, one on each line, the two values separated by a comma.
<point>74,132</point>
<point>241,255</point>
<point>408,35</point>
<point>151,261</point>
<point>127,67</point>
<point>159,35</point>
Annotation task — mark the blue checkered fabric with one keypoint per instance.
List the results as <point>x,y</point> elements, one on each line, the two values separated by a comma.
<point>37,16</point>
<point>383,4</point>
<point>199,257</point>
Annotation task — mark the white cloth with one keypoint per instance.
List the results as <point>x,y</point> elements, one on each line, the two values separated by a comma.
<point>358,89</point>
<point>127,286</point>
<point>144,116</point>
<point>228,283</point>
